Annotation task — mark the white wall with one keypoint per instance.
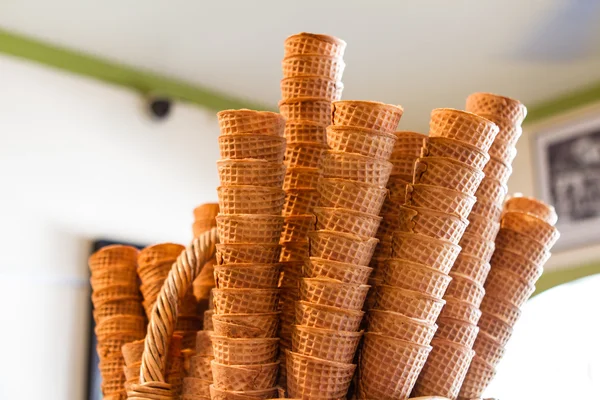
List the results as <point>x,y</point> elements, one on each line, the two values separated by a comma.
<point>79,160</point>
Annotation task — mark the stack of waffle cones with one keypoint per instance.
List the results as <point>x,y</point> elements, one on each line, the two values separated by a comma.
<point>472,265</point>
<point>312,65</point>
<point>429,227</point>
<point>246,297</point>
<point>204,220</point>
<point>334,285</point>
<point>523,245</point>
<point>118,312</point>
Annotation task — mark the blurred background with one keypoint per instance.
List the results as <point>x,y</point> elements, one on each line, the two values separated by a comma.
<point>83,156</point>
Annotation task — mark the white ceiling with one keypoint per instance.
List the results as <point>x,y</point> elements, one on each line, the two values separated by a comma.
<point>420,54</point>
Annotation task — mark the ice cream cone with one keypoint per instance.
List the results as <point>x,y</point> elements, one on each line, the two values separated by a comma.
<point>307,154</point>
<point>435,253</point>
<point>114,277</point>
<point>339,193</point>
<point>342,247</point>
<point>222,394</point>
<point>497,169</point>
<point>491,190</point>
<point>477,247</point>
<point>403,165</point>
<point>463,126</point>
<point>504,107</point>
<point>206,212</point>
<point>497,329</point>
<point>389,367</point>
<point>114,293</point>
<point>250,172</point>
<point>409,303</point>
<point>300,201</point>
<point>508,132</point>
<point>363,141</point>
<point>456,331</point>
<point>342,272</point>
<point>531,226</point>
<point>310,43</point>
<point>247,253</point>
<point>120,323</point>
<point>325,344</point>
<point>464,289</point>
<point>457,150</point>
<point>367,114</point>
<point>519,203</point>
<point>441,199</point>
<point>235,301</point>
<point>199,367</point>
<point>313,65</point>
<point>501,309</point>
<point>488,349</point>
<point>250,200</point>
<point>484,228</point>
<point>245,377</point>
<point>247,351</point>
<point>247,276</point>
<point>311,86</point>
<point>505,285</point>
<point>310,377</point>
<point>504,259</point>
<point>503,151</point>
<point>249,228</point>
<point>431,223</point>
<point>346,220</point>
<point>294,251</point>
<point>301,178</point>
<point>249,325</point>
<point>478,377</point>
<point>333,293</point>
<point>203,344</point>
<point>397,185</point>
<point>415,277</point>
<point>487,209</point>
<point>460,310</point>
<point>306,109</point>
<point>356,168</point>
<point>260,147</point>
<point>448,173</point>
<point>471,267</point>
<point>196,387</point>
<point>116,257</point>
<point>326,317</point>
<point>132,352</point>
<point>399,326</point>
<point>521,244</point>
<point>118,307</point>
<point>296,227</point>
<point>445,369</point>
<point>408,144</point>
<point>235,122</point>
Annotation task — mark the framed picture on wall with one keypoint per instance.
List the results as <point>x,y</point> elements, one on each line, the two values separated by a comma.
<point>568,165</point>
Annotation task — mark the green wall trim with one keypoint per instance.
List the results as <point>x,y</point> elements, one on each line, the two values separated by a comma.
<point>118,74</point>
<point>567,102</point>
<point>553,278</point>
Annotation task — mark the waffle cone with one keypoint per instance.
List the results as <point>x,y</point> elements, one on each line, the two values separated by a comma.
<point>445,369</point>
<point>506,260</point>
<point>132,372</point>
<point>250,200</point>
<point>494,327</point>
<point>408,144</point>
<point>464,289</point>
<point>110,344</point>
<point>313,65</point>
<point>403,165</point>
<point>531,226</point>
<point>342,247</point>
<point>233,351</point>
<point>199,367</point>
<point>463,126</point>
<point>363,141</point>
<point>342,272</point>
<point>114,293</point>
<point>245,377</point>
<point>529,205</point>
<point>249,228</point>
<point>497,169</point>
<point>415,277</point>
<point>448,173</point>
<point>301,178</point>
<point>291,272</point>
<point>310,377</point>
<point>206,212</point>
<point>306,154</point>
<point>296,227</point>
<point>251,325</point>
<point>389,367</point>
<point>346,220</point>
<point>235,122</point>
<point>250,172</point>
<point>397,186</point>
<point>487,209</point>
<point>310,43</point>
<point>132,352</point>
<point>471,267</point>
<point>196,387</point>
<point>521,244</point>
<point>307,109</point>
<point>222,394</point>
<point>477,247</point>
<point>357,168</point>
<point>235,301</point>
<point>399,326</point>
<point>488,349</point>
<point>115,257</point>
<point>501,309</point>
<point>367,114</point>
<point>435,253</point>
<point>460,310</point>
<point>441,199</point>
<point>203,344</point>
<point>508,132</point>
<point>294,251</point>
<point>114,277</point>
<point>505,285</point>
<point>333,293</point>
<point>484,228</point>
<point>491,190</point>
<point>259,147</point>
<point>247,276</point>
<point>120,323</point>
<point>339,193</point>
<point>300,201</point>
<point>118,307</point>
<point>456,331</point>
<point>247,253</point>
<point>409,303</point>
<point>503,107</point>
<point>503,151</point>
<point>430,223</point>
<point>311,86</point>
<point>325,344</point>
<point>299,131</point>
<point>478,377</point>
<point>457,150</point>
<point>326,317</point>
